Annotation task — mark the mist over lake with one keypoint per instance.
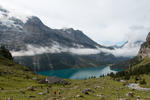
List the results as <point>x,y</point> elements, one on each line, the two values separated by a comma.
<point>79,73</point>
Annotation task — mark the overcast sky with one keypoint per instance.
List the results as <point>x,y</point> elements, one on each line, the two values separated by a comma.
<point>105,21</point>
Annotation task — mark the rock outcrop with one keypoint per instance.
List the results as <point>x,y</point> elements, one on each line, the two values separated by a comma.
<point>145,49</point>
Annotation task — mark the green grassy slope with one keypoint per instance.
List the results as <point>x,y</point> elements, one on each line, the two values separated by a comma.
<point>15,80</point>
<point>141,68</point>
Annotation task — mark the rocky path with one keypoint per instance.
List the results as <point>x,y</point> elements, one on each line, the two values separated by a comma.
<point>137,87</point>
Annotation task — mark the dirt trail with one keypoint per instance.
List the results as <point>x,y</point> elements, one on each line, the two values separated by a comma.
<point>137,87</point>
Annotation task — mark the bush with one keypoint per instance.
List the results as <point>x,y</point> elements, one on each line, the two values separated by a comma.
<point>5,53</point>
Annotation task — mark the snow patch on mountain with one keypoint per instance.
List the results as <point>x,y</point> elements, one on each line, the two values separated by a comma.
<point>8,18</point>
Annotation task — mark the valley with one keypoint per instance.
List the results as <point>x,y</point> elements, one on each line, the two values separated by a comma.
<point>42,63</point>
<point>18,82</point>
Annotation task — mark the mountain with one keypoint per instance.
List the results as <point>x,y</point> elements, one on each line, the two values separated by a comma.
<point>54,61</point>
<point>39,47</point>
<point>128,44</point>
<point>131,47</point>
<point>145,49</point>
<point>118,46</point>
<point>143,54</point>
<point>139,65</point>
<point>32,31</point>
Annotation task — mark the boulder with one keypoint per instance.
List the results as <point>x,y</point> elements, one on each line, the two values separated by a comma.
<point>123,99</point>
<point>42,81</point>
<point>96,87</point>
<point>78,96</point>
<point>130,94</point>
<point>31,88</point>
<point>138,97</point>
<point>85,92</point>
<point>34,78</point>
<point>32,96</point>
<point>9,99</point>
<point>99,95</point>
<point>41,93</point>
<point>56,80</point>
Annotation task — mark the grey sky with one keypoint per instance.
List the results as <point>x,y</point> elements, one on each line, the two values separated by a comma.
<point>105,21</point>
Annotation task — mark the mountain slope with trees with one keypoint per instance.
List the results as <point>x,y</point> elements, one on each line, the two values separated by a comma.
<point>140,64</point>
<point>19,83</point>
<point>38,47</point>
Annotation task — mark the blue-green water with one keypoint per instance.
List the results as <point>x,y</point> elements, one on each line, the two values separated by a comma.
<point>78,73</point>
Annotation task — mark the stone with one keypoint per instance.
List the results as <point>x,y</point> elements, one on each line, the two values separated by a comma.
<point>42,81</point>
<point>1,88</point>
<point>138,97</point>
<point>41,93</point>
<point>78,96</point>
<point>56,80</point>
<point>23,92</point>
<point>31,96</point>
<point>123,99</point>
<point>9,99</point>
<point>122,81</point>
<point>130,94</point>
<point>102,97</point>
<point>96,87</point>
<point>34,78</point>
<point>30,88</point>
<point>99,95</point>
<point>85,92</point>
<point>90,90</point>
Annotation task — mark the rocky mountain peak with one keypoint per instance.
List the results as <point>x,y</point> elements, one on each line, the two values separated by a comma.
<point>3,10</point>
<point>70,30</point>
<point>148,37</point>
<point>67,29</point>
<point>145,48</point>
<point>32,31</point>
<point>33,20</point>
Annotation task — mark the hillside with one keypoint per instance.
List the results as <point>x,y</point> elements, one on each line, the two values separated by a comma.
<point>14,78</point>
<point>19,83</point>
<point>55,61</point>
<point>142,61</point>
<point>140,64</point>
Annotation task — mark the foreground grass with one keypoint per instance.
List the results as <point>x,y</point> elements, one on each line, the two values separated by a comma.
<point>109,89</point>
<point>15,79</point>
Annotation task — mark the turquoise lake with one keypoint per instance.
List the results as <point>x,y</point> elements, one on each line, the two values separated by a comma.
<point>78,73</point>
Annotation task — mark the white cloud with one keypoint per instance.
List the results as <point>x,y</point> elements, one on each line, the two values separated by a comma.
<point>102,20</point>
<point>128,50</point>
<point>84,51</point>
<point>33,50</point>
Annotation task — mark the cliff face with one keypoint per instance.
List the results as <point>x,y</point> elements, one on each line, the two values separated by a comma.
<point>145,49</point>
